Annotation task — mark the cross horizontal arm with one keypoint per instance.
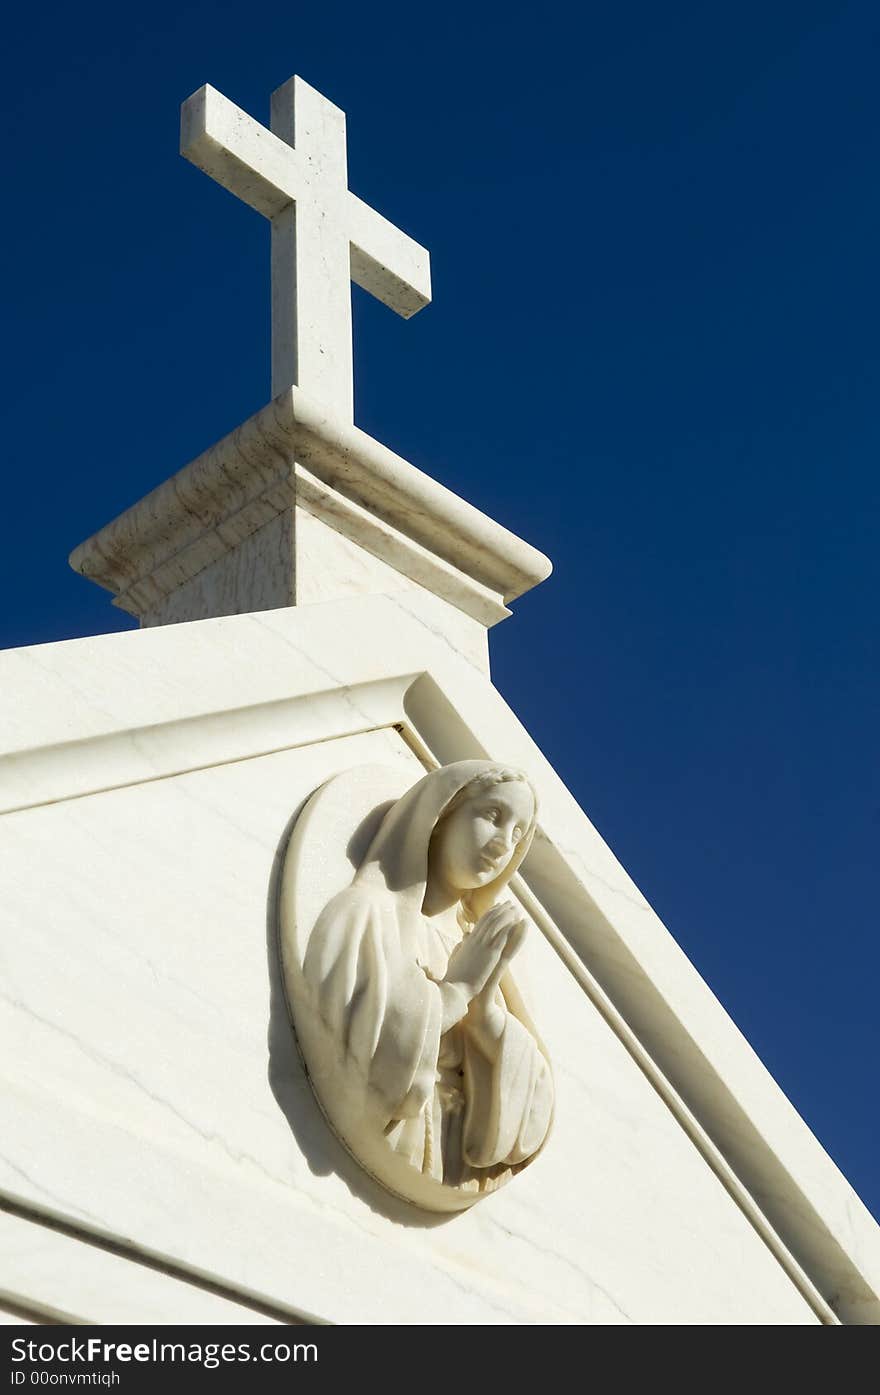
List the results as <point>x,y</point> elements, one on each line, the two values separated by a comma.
<point>386,262</point>
<point>238,152</point>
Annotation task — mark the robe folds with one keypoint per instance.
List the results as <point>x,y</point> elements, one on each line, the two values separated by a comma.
<point>457,1111</point>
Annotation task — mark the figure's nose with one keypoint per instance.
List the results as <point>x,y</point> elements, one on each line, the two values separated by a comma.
<point>502,841</point>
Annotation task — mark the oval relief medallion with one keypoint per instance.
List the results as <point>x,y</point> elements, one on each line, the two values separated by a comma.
<point>397,941</point>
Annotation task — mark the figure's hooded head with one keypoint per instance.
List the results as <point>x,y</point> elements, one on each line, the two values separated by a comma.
<point>400,851</point>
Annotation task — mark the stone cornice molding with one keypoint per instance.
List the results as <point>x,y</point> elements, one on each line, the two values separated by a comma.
<point>264,467</point>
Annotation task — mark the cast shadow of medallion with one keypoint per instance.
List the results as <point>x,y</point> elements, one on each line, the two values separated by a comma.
<point>287,1074</point>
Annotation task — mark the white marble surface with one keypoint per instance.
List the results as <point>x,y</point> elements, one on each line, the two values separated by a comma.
<point>257,574</point>
<point>176,972</point>
<point>157,1088</point>
<point>323,237</point>
<point>63,1278</point>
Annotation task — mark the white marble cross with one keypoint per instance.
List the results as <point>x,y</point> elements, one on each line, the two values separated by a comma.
<point>323,237</point>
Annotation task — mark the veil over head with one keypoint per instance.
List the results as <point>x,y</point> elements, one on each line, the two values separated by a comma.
<point>397,858</point>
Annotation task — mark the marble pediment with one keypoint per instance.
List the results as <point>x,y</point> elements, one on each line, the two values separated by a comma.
<point>224,728</point>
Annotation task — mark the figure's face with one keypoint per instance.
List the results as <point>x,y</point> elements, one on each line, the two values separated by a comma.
<point>474,843</point>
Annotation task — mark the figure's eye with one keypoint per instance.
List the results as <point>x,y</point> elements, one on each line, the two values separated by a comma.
<point>494,814</point>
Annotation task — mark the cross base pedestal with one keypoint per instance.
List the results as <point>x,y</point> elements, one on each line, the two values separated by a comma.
<point>296,507</point>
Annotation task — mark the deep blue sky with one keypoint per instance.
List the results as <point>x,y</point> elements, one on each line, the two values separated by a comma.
<point>653,352</point>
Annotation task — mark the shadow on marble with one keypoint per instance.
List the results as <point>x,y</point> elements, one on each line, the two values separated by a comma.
<point>287,1077</point>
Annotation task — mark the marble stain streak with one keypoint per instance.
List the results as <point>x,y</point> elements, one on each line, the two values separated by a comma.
<point>338,686</point>
<point>563,1259</point>
<point>51,1196</point>
<point>207,1136</point>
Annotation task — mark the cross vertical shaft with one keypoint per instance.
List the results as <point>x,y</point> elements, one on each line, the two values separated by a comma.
<point>311,298</point>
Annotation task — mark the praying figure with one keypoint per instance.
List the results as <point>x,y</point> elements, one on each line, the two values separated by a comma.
<point>440,1080</point>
